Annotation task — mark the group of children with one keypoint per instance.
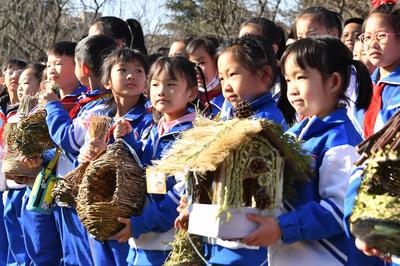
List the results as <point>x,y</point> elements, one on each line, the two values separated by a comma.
<point>327,98</point>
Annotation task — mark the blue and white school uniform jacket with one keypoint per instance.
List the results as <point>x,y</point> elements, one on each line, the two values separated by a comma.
<point>154,228</point>
<point>69,134</point>
<point>110,252</point>
<point>390,98</point>
<point>312,226</point>
<point>224,252</point>
<point>216,104</point>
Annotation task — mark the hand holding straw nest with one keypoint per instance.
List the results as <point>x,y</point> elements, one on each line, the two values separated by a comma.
<point>182,221</point>
<point>89,152</point>
<point>49,93</point>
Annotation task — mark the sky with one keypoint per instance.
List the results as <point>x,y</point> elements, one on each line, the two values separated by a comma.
<point>146,11</point>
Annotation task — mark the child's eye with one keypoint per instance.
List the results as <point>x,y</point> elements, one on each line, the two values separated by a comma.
<point>232,74</point>
<point>287,80</point>
<point>301,77</point>
<point>121,69</point>
<point>221,79</point>
<point>139,70</point>
<point>171,84</point>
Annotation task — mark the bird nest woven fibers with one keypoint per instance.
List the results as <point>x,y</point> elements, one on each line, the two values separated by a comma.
<point>376,213</point>
<point>66,189</point>
<point>113,186</point>
<point>27,135</point>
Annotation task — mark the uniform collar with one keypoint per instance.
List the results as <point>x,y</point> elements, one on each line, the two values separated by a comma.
<point>392,78</point>
<point>311,126</point>
<point>137,111</point>
<point>227,108</point>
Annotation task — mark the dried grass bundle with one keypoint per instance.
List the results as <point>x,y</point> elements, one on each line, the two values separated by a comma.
<point>183,252</point>
<point>376,213</point>
<point>66,190</point>
<point>113,186</point>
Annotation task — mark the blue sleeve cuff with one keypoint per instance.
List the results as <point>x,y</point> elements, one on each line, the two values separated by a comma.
<point>137,227</point>
<point>289,227</point>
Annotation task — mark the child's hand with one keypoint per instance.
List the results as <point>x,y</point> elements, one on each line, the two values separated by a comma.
<point>361,245</point>
<point>48,95</point>
<point>266,234</point>
<point>123,235</point>
<point>31,162</point>
<point>89,152</point>
<point>182,221</point>
<point>122,128</point>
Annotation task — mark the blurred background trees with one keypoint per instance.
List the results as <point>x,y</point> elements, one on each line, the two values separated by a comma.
<point>28,27</point>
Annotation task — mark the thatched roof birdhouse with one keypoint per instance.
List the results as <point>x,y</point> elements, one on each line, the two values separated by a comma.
<point>236,163</point>
<point>376,214</point>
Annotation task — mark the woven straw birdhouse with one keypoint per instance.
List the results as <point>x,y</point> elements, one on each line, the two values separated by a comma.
<point>376,213</point>
<point>233,167</point>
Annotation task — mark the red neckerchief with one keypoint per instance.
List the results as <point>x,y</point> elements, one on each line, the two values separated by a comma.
<point>82,102</point>
<point>373,110</point>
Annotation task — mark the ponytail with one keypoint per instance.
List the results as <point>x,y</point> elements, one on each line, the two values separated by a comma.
<point>363,86</point>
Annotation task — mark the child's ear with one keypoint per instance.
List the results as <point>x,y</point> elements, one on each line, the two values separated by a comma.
<point>193,93</point>
<point>85,69</point>
<point>335,83</point>
<point>266,76</point>
<point>108,85</point>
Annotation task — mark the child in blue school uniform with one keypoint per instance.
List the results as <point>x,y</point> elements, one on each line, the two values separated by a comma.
<point>124,73</point>
<point>172,86</point>
<point>309,230</point>
<point>42,231</point>
<point>381,41</point>
<point>15,253</point>
<point>247,69</point>
<point>68,130</point>
<point>202,51</point>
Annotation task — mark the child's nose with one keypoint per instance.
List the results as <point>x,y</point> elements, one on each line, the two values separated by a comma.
<point>130,76</point>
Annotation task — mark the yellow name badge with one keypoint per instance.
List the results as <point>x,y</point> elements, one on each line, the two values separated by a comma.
<point>155,182</point>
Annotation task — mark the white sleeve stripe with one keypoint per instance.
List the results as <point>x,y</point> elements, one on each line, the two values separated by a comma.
<point>333,212</point>
<point>172,196</point>
<point>72,142</point>
<point>356,174</point>
<point>338,252</point>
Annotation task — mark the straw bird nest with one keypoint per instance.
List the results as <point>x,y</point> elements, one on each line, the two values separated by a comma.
<point>113,186</point>
<point>26,134</point>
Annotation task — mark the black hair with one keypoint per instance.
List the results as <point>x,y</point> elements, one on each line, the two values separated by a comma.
<point>153,57</point>
<point>281,42</point>
<point>115,28</point>
<point>327,18</point>
<point>177,66</point>
<point>209,43</point>
<point>92,51</point>
<point>269,30</point>
<point>62,48</point>
<point>14,63</point>
<point>254,52</point>
<point>122,55</point>
<point>391,12</point>
<point>359,21</point>
<point>137,35</point>
<point>37,71</point>
<point>328,55</point>
<point>163,50</point>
